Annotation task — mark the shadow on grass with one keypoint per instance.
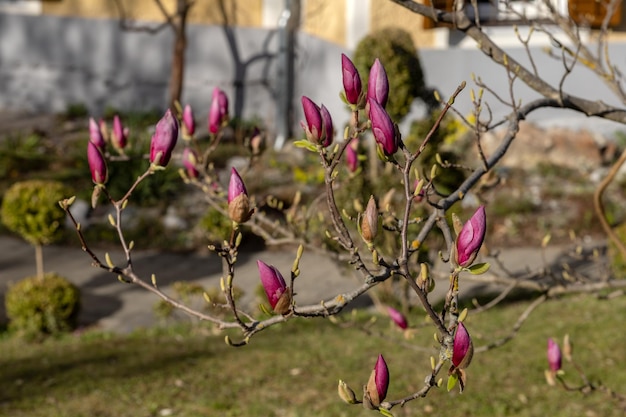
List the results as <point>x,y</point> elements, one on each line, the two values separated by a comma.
<point>80,366</point>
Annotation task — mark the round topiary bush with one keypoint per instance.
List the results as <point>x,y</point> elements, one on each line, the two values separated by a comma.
<point>398,54</point>
<point>30,208</point>
<point>37,306</point>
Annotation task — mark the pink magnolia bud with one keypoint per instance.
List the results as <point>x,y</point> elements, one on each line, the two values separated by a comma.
<point>352,157</point>
<point>275,288</point>
<point>238,201</point>
<point>351,80</point>
<point>376,389</point>
<point>378,84</point>
<point>314,126</point>
<point>398,318</point>
<point>218,113</point>
<point>97,164</point>
<point>470,238</point>
<point>189,124</point>
<point>554,355</point>
<point>95,135</point>
<point>119,135</point>
<point>190,160</point>
<point>462,350</point>
<point>236,187</point>
<point>164,139</point>
<point>383,129</point>
<point>327,125</point>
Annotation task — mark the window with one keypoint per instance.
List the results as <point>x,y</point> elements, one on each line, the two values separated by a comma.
<point>505,12</point>
<point>20,6</point>
<point>515,10</point>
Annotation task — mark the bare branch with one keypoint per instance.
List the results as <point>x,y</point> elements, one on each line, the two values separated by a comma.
<point>497,55</point>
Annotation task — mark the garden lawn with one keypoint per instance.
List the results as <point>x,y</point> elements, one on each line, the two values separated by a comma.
<point>293,370</point>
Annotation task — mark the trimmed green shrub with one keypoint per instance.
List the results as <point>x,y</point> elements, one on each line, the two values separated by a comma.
<point>42,306</point>
<point>445,142</point>
<point>216,226</point>
<point>398,54</point>
<point>31,209</point>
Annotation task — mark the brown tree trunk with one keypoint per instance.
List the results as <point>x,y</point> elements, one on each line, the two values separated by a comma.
<point>177,72</point>
<point>39,261</point>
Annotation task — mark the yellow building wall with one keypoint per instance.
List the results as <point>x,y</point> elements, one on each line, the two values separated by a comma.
<point>325,19</point>
<point>384,13</point>
<point>241,13</point>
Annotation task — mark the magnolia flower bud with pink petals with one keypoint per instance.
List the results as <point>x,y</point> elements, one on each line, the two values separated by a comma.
<point>119,135</point>
<point>463,349</point>
<point>352,156</point>
<point>188,127</point>
<point>376,389</point>
<point>314,126</point>
<point>383,129</point>
<point>164,140</point>
<point>238,201</point>
<point>378,84</point>
<point>277,292</point>
<point>190,162</point>
<point>97,164</point>
<point>398,318</point>
<point>470,238</point>
<point>351,80</point>
<point>218,113</point>
<point>554,355</point>
<point>95,135</point>
<point>319,125</point>
<point>327,126</point>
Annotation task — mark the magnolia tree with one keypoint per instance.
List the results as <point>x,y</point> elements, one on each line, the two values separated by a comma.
<point>356,233</point>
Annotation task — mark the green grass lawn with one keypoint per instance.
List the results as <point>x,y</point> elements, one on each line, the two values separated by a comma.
<point>293,370</point>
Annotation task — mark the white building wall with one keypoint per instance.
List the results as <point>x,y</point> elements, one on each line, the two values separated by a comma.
<point>47,63</point>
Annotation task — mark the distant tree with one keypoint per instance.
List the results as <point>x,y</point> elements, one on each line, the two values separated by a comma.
<point>177,22</point>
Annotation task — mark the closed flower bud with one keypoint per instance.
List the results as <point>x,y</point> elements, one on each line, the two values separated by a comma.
<point>314,126</point>
<point>104,130</point>
<point>376,389</point>
<point>346,393</point>
<point>470,238</point>
<point>238,201</point>
<point>257,141</point>
<point>567,348</point>
<point>190,161</point>
<point>95,135</point>
<point>383,129</point>
<point>352,157</point>
<point>275,288</point>
<point>369,221</point>
<point>119,135</point>
<point>378,84</point>
<point>218,113</point>
<point>463,349</point>
<point>327,126</point>
<point>164,140</point>
<point>398,318</point>
<point>351,80</point>
<point>188,127</point>
<point>97,164</point>
<point>554,355</point>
